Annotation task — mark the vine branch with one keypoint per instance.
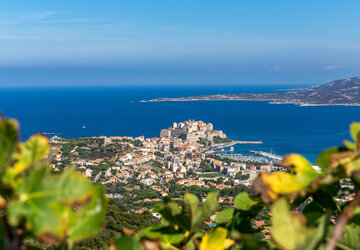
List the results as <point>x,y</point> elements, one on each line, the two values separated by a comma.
<point>342,221</point>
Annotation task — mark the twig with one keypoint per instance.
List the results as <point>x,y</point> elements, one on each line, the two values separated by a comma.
<point>342,221</point>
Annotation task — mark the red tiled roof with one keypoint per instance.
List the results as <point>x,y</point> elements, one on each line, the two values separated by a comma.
<point>259,223</point>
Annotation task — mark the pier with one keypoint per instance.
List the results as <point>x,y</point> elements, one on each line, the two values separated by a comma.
<point>226,145</point>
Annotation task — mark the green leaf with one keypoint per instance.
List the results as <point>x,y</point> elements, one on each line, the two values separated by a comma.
<point>89,218</point>
<point>170,212</point>
<point>326,200</point>
<point>216,240</point>
<point>8,140</point>
<point>313,212</point>
<point>351,237</point>
<point>127,243</point>
<point>189,209</point>
<point>252,243</point>
<point>190,245</point>
<point>225,216</point>
<point>58,206</point>
<point>166,234</point>
<point>242,220</point>
<point>324,159</point>
<point>355,130</point>
<point>206,209</point>
<point>243,201</point>
<point>288,231</point>
<point>190,216</point>
<point>319,235</point>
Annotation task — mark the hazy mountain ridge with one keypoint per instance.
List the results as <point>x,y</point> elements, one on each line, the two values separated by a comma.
<point>338,92</point>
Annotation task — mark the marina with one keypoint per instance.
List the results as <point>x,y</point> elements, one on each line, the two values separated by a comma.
<point>227,150</point>
<point>248,158</point>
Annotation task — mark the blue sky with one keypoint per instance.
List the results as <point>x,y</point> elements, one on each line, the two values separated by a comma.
<point>117,42</point>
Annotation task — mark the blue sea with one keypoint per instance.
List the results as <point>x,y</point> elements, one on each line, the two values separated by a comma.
<point>116,111</point>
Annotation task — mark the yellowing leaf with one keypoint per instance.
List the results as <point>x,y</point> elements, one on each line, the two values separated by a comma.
<point>350,145</point>
<point>36,148</point>
<point>273,185</point>
<point>300,165</point>
<point>216,240</point>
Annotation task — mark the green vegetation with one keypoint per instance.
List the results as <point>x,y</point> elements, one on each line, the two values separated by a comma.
<point>117,219</point>
<point>210,175</point>
<point>204,142</point>
<point>218,140</point>
<point>66,148</point>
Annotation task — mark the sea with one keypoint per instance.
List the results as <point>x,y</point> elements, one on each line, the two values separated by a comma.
<point>72,112</point>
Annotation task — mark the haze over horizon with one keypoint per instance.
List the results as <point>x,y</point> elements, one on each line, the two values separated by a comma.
<point>178,42</point>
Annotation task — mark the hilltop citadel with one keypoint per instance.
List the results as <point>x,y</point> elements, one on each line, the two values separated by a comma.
<point>193,131</point>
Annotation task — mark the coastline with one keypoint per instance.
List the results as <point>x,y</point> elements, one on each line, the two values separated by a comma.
<point>300,104</point>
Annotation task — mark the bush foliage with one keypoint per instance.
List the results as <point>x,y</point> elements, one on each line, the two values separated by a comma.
<point>54,208</point>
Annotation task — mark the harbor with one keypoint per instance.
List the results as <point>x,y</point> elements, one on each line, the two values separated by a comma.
<point>247,158</point>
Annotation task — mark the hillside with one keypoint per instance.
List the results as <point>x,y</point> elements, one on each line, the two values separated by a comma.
<point>338,92</point>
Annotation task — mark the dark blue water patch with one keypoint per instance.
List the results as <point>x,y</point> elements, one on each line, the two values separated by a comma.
<point>116,111</point>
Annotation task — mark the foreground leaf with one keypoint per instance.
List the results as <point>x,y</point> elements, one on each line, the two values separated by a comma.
<point>189,210</point>
<point>324,160</point>
<point>58,207</point>
<point>216,240</point>
<point>243,201</point>
<point>8,140</point>
<point>273,185</point>
<point>206,209</point>
<point>355,131</point>
<point>127,243</point>
<point>288,231</point>
<point>36,148</point>
<point>351,237</point>
<point>225,216</point>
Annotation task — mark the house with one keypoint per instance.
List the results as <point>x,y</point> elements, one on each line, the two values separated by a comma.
<point>259,223</point>
<point>88,172</point>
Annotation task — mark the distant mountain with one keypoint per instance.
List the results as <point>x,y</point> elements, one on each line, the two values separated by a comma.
<point>339,92</point>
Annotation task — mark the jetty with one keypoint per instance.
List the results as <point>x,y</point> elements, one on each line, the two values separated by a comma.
<point>48,133</point>
<point>230,144</point>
